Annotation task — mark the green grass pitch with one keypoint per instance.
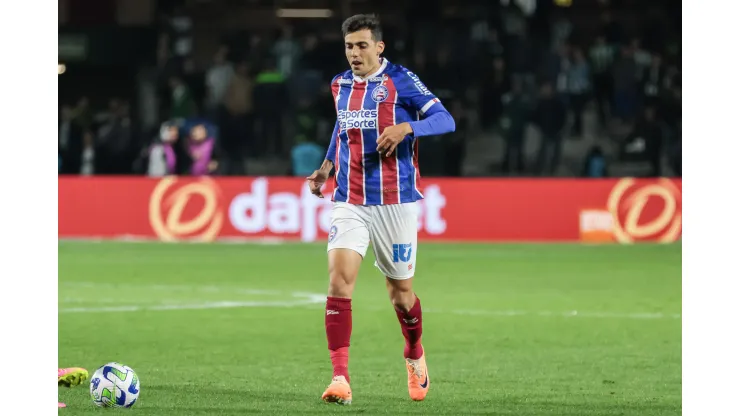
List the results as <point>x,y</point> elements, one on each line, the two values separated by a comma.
<point>234,329</point>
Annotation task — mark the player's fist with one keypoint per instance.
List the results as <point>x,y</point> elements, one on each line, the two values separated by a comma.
<point>392,136</point>
<point>316,181</point>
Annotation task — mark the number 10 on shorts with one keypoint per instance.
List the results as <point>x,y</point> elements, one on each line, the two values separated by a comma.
<point>401,252</point>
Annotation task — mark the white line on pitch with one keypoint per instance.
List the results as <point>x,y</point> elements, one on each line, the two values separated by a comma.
<point>566,314</point>
<point>208,305</point>
<point>316,299</point>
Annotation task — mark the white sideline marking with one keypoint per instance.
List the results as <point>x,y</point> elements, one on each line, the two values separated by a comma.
<point>300,299</point>
<point>303,299</point>
<point>178,288</point>
<point>315,299</point>
<point>568,314</point>
<point>209,305</point>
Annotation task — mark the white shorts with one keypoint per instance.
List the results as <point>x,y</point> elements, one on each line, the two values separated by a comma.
<point>390,228</point>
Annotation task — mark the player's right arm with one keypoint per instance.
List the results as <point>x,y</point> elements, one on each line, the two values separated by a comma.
<point>319,176</point>
<point>331,152</point>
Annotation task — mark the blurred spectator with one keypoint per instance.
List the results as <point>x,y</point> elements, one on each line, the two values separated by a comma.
<point>445,78</point>
<point>218,80</point>
<point>70,142</point>
<point>653,82</point>
<point>194,78</point>
<point>601,55</point>
<point>311,54</point>
<point>202,150</point>
<point>237,123</point>
<point>579,86</point>
<point>670,107</point>
<point>561,29</point>
<point>595,165</point>
<point>645,142</point>
<point>305,121</point>
<point>625,86</point>
<point>183,104</point>
<point>455,143</point>
<point>308,82</point>
<point>306,154</point>
<point>521,49</point>
<point>181,33</point>
<point>286,52</point>
<point>549,117</point>
<point>513,124</point>
<point>258,49</point>
<point>271,96</point>
<point>167,156</point>
<point>82,113</point>
<point>163,52</point>
<point>493,85</point>
<point>555,69</point>
<point>87,166</point>
<point>643,58</point>
<point>114,141</point>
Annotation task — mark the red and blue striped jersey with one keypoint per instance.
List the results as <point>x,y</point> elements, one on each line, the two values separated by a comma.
<point>365,107</point>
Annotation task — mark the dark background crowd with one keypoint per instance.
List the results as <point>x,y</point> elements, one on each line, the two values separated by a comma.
<point>588,88</point>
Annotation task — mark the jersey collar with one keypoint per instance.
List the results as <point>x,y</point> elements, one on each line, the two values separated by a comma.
<point>383,65</point>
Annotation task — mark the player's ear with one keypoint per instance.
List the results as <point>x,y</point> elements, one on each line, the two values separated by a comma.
<point>380,46</point>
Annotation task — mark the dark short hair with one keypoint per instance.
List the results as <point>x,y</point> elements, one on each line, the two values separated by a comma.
<point>359,22</point>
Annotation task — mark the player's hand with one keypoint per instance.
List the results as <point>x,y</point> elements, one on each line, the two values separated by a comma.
<point>392,136</point>
<point>316,181</point>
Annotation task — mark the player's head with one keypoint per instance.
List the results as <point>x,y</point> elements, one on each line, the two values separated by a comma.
<point>363,43</point>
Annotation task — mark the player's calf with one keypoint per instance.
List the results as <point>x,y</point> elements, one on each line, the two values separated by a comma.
<point>401,294</point>
<point>408,312</point>
<point>343,267</point>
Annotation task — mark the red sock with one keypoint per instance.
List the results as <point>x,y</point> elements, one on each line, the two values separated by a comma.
<point>338,324</point>
<point>411,327</point>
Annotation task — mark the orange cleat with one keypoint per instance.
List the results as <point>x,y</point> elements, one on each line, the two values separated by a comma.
<point>338,392</point>
<point>418,377</point>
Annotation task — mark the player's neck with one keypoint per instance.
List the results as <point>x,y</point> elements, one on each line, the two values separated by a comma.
<point>372,70</point>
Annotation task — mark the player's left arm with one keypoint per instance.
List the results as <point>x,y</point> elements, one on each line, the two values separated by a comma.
<point>435,119</point>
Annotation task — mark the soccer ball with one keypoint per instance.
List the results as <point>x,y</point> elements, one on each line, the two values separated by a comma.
<point>114,385</point>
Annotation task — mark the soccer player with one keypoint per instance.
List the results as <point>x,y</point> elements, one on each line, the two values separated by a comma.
<point>382,110</point>
<point>69,377</point>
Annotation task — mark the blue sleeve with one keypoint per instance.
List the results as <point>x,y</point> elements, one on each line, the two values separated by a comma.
<point>434,117</point>
<point>332,152</point>
<point>437,121</point>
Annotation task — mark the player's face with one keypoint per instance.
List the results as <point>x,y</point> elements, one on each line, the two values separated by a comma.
<point>363,53</point>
